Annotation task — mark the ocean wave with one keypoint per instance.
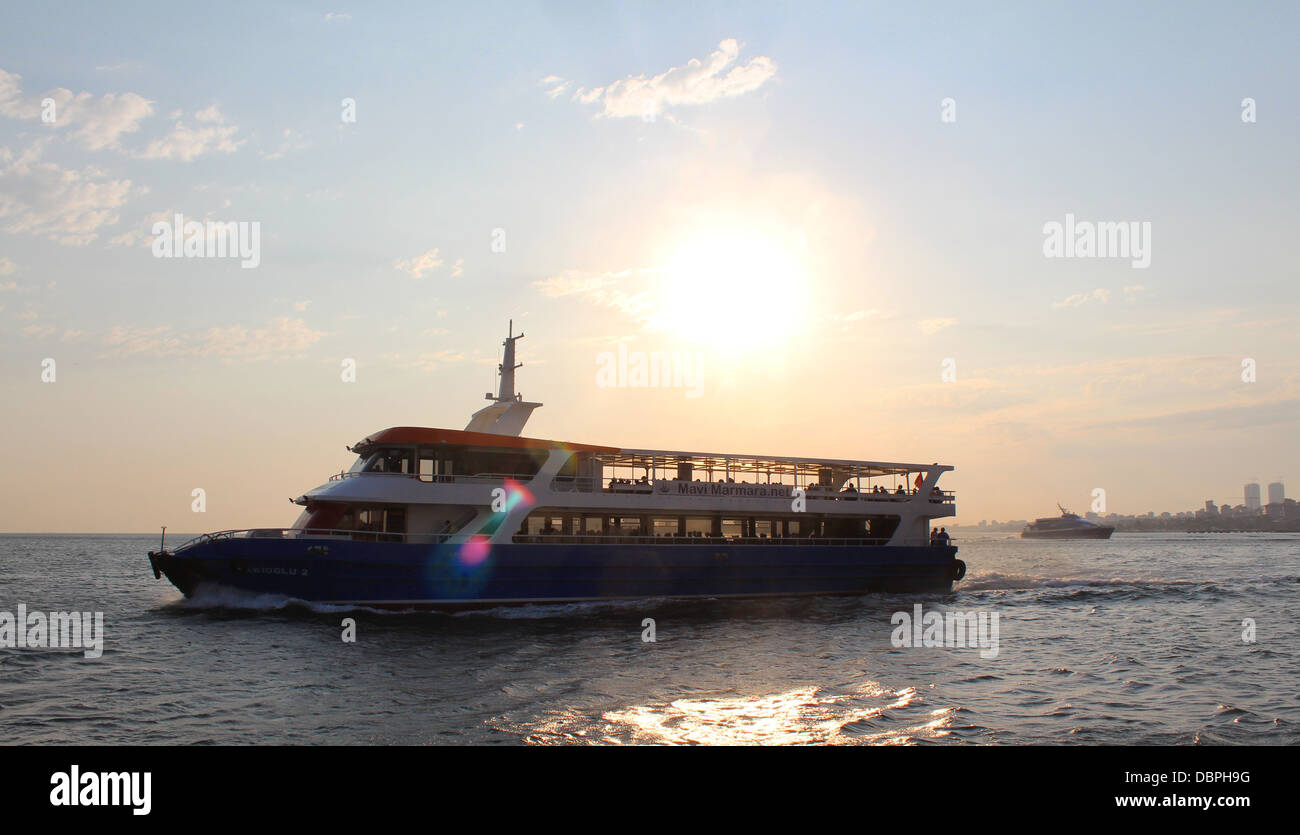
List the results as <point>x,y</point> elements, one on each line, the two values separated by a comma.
<point>995,581</point>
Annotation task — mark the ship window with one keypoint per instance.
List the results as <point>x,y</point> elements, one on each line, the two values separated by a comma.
<point>427,464</point>
<point>392,460</point>
<point>377,519</point>
<point>513,463</point>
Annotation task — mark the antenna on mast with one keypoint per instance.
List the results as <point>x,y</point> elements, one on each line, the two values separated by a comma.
<point>508,411</point>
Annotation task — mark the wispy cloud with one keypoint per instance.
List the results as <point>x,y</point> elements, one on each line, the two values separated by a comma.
<point>1101,295</point>
<point>931,326</point>
<point>291,141</point>
<point>718,76</point>
<point>625,291</point>
<point>282,337</point>
<point>96,122</point>
<point>427,361</point>
<point>416,267</point>
<point>186,143</point>
<point>65,205</point>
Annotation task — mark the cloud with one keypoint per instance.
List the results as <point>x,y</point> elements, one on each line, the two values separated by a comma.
<point>185,143</point>
<point>142,234</point>
<point>930,326</point>
<point>418,266</point>
<point>64,205</point>
<point>1078,299</point>
<point>1217,419</point>
<point>292,141</point>
<point>96,122</point>
<point>281,337</point>
<point>557,89</point>
<point>717,77</point>
<point>458,269</point>
<point>39,331</point>
<point>127,341</point>
<point>427,361</point>
<point>341,17</point>
<point>7,267</point>
<point>625,291</point>
<point>1131,293</point>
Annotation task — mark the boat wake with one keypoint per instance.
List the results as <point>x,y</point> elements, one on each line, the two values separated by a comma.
<point>225,598</point>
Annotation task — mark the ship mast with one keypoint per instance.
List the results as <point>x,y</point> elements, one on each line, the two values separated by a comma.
<point>508,411</point>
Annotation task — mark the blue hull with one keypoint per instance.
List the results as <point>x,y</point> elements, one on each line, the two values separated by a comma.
<point>386,574</point>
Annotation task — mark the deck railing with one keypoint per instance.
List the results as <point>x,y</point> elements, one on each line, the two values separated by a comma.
<point>586,484</point>
<point>326,535</point>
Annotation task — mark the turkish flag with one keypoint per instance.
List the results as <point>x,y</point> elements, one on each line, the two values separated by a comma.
<point>920,477</point>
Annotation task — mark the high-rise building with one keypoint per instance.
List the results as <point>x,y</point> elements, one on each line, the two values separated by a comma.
<point>1211,509</point>
<point>1276,493</point>
<point>1252,497</point>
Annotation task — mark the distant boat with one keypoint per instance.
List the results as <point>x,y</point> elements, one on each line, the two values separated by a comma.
<point>1067,526</point>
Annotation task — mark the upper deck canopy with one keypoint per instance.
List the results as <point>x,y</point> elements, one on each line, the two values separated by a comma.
<point>459,437</point>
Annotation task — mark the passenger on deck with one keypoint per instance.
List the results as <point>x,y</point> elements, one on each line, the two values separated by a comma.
<point>943,536</point>
<point>900,491</point>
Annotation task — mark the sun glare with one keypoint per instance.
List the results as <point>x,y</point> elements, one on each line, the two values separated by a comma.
<point>734,289</point>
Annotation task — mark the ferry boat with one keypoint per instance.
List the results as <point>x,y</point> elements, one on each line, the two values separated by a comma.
<point>451,519</point>
<point>1067,526</point>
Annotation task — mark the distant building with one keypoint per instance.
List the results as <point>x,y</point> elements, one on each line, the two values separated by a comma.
<point>1211,509</point>
<point>1276,493</point>
<point>1252,497</point>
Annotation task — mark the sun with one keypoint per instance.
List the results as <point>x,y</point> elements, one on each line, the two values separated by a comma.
<point>734,289</point>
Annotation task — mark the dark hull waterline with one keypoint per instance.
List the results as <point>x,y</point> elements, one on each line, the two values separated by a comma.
<point>412,576</point>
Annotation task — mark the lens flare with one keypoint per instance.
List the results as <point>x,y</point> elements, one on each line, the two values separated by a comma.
<point>517,494</point>
<point>475,550</point>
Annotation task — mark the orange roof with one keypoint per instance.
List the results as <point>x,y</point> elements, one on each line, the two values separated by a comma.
<point>421,435</point>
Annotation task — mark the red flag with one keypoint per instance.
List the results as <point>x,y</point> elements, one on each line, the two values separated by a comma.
<point>919,479</point>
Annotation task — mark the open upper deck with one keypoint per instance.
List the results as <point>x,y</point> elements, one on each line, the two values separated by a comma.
<point>455,456</point>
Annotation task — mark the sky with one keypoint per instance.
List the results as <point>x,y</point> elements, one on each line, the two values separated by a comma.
<point>839,217</point>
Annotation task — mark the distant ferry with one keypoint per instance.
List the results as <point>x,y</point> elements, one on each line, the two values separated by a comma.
<point>1066,526</point>
<point>452,519</point>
